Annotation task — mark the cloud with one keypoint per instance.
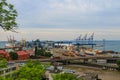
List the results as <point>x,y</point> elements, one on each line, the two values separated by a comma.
<point>60,34</point>
<point>65,13</point>
<point>74,17</point>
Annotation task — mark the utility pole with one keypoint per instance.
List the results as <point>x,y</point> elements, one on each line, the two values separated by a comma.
<point>104,44</point>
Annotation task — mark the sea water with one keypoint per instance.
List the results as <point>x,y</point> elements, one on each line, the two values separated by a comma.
<point>2,44</point>
<point>113,45</point>
<point>108,45</point>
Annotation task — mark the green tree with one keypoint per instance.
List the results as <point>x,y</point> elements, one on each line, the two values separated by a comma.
<point>36,50</point>
<point>7,16</point>
<point>43,52</point>
<point>48,54</point>
<point>2,78</point>
<point>118,63</point>
<point>40,52</point>
<point>3,63</point>
<point>31,71</point>
<point>8,78</point>
<point>13,55</point>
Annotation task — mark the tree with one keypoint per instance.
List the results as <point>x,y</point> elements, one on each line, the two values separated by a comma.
<point>7,78</point>
<point>7,16</point>
<point>43,52</point>
<point>13,55</point>
<point>3,63</point>
<point>36,49</point>
<point>118,63</point>
<point>2,78</point>
<point>40,52</point>
<point>31,71</point>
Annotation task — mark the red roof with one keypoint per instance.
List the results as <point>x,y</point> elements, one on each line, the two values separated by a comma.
<point>22,53</point>
<point>7,55</point>
<point>2,52</point>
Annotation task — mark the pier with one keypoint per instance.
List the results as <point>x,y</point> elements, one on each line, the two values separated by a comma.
<point>86,61</point>
<point>100,62</point>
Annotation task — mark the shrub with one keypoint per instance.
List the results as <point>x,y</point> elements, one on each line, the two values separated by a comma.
<point>118,63</point>
<point>13,55</point>
<point>48,54</point>
<point>31,71</point>
<point>42,52</point>
<point>3,63</point>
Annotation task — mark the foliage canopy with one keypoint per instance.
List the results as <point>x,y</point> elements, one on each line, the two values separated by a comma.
<point>43,52</point>
<point>7,16</point>
<point>118,63</point>
<point>3,63</point>
<point>13,55</point>
<point>31,71</point>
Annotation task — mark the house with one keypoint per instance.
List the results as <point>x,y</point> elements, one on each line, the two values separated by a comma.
<point>22,55</point>
<point>4,54</point>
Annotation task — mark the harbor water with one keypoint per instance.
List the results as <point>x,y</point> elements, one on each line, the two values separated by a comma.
<point>108,45</point>
<point>100,45</point>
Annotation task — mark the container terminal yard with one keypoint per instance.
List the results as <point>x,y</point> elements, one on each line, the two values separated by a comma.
<point>79,53</point>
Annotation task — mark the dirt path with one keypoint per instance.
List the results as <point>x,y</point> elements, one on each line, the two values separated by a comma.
<point>109,75</point>
<point>102,74</point>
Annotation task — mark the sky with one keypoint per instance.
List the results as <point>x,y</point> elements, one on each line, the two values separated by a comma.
<point>66,19</point>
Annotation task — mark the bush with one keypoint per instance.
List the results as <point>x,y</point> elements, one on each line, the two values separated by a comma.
<point>13,55</point>
<point>118,63</point>
<point>42,52</point>
<point>2,78</point>
<point>31,71</point>
<point>48,54</point>
<point>3,63</point>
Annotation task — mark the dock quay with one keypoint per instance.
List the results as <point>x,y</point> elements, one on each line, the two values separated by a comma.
<point>85,61</point>
<point>100,62</point>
